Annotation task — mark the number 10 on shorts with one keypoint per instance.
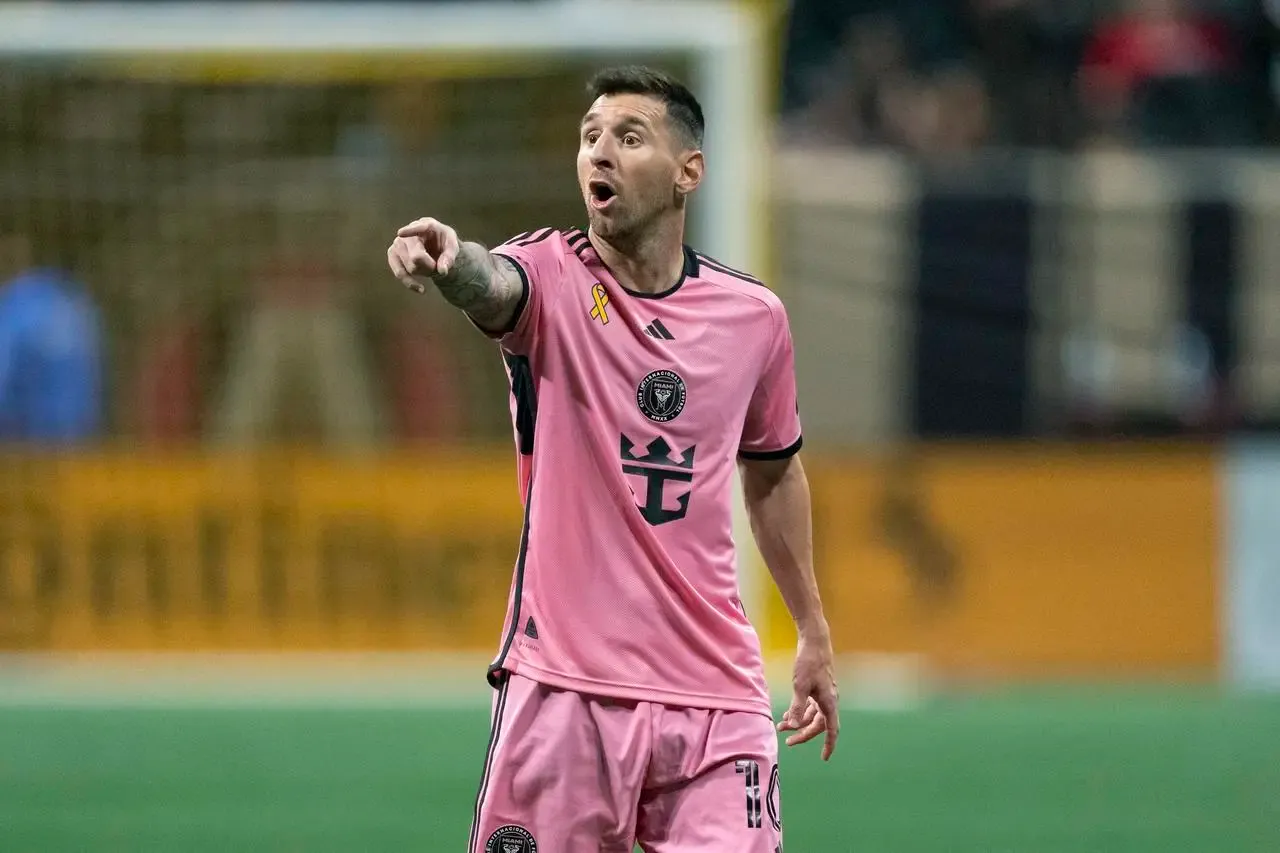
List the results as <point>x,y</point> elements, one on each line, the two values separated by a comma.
<point>751,770</point>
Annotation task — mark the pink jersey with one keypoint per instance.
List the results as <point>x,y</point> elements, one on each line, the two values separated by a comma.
<point>630,412</point>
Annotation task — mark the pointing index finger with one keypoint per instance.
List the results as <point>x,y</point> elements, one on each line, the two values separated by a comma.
<point>416,228</point>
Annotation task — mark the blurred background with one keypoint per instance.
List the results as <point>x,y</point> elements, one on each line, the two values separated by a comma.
<point>258,508</point>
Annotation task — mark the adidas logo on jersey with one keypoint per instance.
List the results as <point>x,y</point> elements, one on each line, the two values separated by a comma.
<point>659,331</point>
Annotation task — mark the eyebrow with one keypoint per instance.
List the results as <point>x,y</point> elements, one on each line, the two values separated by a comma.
<point>626,124</point>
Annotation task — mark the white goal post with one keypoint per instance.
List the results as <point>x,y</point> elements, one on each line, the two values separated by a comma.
<point>724,42</point>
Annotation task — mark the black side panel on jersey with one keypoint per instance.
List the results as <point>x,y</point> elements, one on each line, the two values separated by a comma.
<point>522,388</point>
<point>495,673</point>
<point>526,419</point>
<point>526,400</point>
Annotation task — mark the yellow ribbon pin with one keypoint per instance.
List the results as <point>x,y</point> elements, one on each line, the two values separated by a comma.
<point>601,297</point>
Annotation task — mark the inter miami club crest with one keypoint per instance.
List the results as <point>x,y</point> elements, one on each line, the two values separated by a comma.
<point>661,396</point>
<point>511,839</point>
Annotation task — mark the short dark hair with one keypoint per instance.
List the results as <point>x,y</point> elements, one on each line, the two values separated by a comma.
<point>683,110</point>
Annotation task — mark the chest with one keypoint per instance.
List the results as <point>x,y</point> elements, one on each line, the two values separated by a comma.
<point>683,366</point>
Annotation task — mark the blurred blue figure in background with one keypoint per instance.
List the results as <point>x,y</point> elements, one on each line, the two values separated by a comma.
<point>50,351</point>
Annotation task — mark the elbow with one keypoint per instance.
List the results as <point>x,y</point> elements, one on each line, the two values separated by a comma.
<point>762,477</point>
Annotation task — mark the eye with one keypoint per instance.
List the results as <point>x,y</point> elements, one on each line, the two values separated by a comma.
<point>591,136</point>
<point>631,139</point>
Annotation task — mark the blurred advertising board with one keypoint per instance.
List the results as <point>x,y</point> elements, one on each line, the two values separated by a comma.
<point>1036,561</point>
<point>1021,561</point>
<point>143,552</point>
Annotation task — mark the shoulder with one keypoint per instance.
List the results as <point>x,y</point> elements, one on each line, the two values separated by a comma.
<point>542,255</point>
<point>738,284</point>
<point>547,240</point>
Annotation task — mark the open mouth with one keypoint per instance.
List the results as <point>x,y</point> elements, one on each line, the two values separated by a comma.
<point>601,194</point>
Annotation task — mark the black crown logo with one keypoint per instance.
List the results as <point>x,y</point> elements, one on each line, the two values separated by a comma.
<point>658,452</point>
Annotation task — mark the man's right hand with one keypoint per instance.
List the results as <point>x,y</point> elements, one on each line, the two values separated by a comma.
<point>423,250</point>
<point>815,698</point>
<point>489,288</point>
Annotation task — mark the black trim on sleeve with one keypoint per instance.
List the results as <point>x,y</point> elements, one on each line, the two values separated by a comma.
<point>766,455</point>
<point>524,296</point>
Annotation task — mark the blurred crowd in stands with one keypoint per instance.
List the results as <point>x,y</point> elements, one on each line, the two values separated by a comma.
<point>935,77</point>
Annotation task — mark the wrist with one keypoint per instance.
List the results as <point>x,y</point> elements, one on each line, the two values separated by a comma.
<point>814,630</point>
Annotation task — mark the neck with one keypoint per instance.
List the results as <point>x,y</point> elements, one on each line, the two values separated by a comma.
<point>650,263</point>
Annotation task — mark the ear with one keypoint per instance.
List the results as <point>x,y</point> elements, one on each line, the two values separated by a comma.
<point>692,167</point>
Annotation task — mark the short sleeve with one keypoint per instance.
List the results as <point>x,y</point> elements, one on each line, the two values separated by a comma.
<point>539,258</point>
<point>772,426</point>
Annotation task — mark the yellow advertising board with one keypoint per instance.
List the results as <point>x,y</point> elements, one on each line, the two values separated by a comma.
<point>1032,561</point>
<point>281,552</point>
<point>985,561</point>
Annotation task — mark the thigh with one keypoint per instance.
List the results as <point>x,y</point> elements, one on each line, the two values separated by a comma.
<point>731,804</point>
<point>562,774</point>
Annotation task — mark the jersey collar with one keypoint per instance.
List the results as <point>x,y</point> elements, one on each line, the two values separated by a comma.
<point>690,270</point>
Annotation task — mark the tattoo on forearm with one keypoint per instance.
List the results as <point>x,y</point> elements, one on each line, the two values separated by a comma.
<point>473,285</point>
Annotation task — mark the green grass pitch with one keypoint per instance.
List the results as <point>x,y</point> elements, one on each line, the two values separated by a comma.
<point>1047,771</point>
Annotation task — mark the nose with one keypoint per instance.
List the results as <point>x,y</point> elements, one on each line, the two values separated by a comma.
<point>602,153</point>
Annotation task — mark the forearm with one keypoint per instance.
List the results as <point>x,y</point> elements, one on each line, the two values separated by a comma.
<point>476,284</point>
<point>778,505</point>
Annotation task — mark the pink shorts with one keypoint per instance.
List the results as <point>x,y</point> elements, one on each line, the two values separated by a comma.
<point>570,773</point>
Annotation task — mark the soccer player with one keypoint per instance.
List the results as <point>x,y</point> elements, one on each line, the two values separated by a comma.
<point>631,705</point>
